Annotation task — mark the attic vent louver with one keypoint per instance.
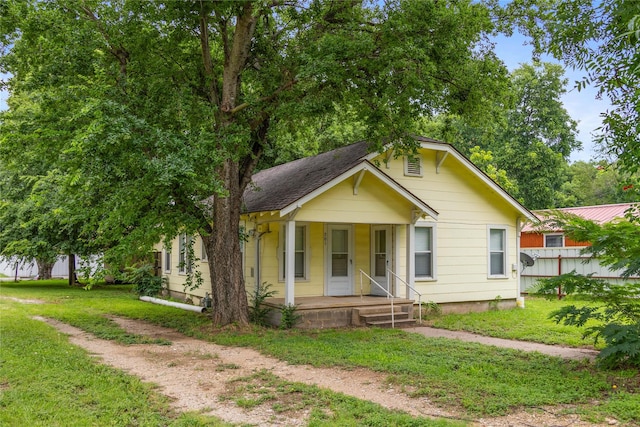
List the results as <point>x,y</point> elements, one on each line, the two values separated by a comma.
<point>413,166</point>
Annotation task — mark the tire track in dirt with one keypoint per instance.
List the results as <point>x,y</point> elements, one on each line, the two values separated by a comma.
<point>195,374</point>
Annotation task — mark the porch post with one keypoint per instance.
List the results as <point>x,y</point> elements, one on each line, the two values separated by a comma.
<point>411,267</point>
<point>289,262</point>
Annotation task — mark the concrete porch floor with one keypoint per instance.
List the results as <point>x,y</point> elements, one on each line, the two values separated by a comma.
<point>314,303</point>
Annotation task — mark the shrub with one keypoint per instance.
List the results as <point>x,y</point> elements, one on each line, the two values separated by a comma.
<point>257,311</point>
<point>289,316</point>
<point>617,313</point>
<point>146,284</point>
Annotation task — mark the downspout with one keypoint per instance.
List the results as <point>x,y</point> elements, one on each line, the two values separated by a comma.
<point>258,238</point>
<point>519,297</point>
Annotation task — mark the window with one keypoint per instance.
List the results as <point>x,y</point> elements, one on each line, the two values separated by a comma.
<point>203,251</point>
<point>553,240</point>
<point>185,249</point>
<point>497,252</point>
<point>424,251</point>
<point>300,270</point>
<point>413,165</point>
<point>167,261</point>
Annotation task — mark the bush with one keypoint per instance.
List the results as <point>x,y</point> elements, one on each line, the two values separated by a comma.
<point>288,316</point>
<point>146,284</point>
<point>617,314</point>
<point>257,312</point>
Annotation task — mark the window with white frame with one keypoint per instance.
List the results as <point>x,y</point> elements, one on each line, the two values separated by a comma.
<point>497,251</point>
<point>413,165</point>
<point>203,251</point>
<point>167,261</point>
<point>301,251</point>
<point>424,251</point>
<point>553,240</point>
<point>184,248</point>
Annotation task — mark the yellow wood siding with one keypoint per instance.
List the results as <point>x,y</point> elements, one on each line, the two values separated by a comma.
<point>175,279</point>
<point>466,205</point>
<point>375,203</point>
<point>362,257</point>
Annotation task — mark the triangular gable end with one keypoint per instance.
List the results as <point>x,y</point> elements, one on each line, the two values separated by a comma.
<point>448,149</point>
<point>361,168</point>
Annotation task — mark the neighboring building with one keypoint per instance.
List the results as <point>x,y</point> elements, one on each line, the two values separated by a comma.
<point>317,225</point>
<point>555,253</point>
<point>29,270</point>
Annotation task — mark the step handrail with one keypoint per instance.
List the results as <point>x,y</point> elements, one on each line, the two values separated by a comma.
<point>414,290</point>
<point>389,295</point>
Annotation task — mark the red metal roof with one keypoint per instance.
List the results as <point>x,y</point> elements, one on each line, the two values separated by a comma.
<point>599,213</point>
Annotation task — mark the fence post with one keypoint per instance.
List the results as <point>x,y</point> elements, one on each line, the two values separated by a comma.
<point>559,274</point>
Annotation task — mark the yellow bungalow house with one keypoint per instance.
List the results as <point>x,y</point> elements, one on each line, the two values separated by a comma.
<point>348,223</point>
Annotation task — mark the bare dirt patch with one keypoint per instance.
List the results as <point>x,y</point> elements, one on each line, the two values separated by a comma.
<point>24,301</point>
<point>196,375</point>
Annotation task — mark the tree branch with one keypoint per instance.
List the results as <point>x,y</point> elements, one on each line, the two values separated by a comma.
<point>206,57</point>
<point>236,59</point>
<point>269,98</point>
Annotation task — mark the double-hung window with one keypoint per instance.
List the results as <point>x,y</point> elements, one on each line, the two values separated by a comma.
<point>300,249</point>
<point>203,251</point>
<point>424,251</point>
<point>497,251</point>
<point>167,260</point>
<point>185,248</point>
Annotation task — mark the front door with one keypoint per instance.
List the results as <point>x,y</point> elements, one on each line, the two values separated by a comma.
<point>380,258</point>
<point>340,262</point>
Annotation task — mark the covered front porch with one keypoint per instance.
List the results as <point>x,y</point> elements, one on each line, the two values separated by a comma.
<point>318,312</point>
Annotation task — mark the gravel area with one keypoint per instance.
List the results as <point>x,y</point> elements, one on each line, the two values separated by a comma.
<point>195,374</point>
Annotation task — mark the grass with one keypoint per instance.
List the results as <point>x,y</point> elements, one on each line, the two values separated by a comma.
<point>477,380</point>
<point>530,324</point>
<point>322,405</point>
<point>45,381</point>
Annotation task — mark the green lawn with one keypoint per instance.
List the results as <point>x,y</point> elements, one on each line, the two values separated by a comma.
<point>474,379</point>
<point>529,324</point>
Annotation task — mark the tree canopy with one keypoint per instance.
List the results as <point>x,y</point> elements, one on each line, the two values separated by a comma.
<point>155,114</point>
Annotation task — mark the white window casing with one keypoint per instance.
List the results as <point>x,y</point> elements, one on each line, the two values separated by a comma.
<point>425,251</point>
<point>301,252</point>
<point>167,260</point>
<point>497,251</point>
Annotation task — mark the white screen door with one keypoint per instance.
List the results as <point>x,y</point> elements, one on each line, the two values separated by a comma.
<point>339,263</point>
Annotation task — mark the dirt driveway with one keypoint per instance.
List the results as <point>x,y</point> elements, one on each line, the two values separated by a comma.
<point>195,374</point>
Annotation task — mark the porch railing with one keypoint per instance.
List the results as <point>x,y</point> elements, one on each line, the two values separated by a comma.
<point>389,295</point>
<point>414,290</point>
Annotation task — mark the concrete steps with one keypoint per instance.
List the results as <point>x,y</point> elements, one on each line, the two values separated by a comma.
<point>380,316</point>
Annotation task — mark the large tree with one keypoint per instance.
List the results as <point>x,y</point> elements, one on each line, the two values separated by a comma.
<point>602,39</point>
<point>530,136</point>
<point>169,106</point>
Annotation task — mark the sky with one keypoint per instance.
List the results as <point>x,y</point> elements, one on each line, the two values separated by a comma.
<point>582,105</point>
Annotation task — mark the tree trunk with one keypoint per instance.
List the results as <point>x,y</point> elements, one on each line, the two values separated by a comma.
<point>44,269</point>
<point>229,298</point>
<point>72,269</point>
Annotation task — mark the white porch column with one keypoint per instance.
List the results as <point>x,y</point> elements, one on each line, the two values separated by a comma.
<point>411,260</point>
<point>289,263</point>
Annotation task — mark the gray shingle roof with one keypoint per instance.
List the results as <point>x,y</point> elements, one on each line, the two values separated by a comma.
<point>277,187</point>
